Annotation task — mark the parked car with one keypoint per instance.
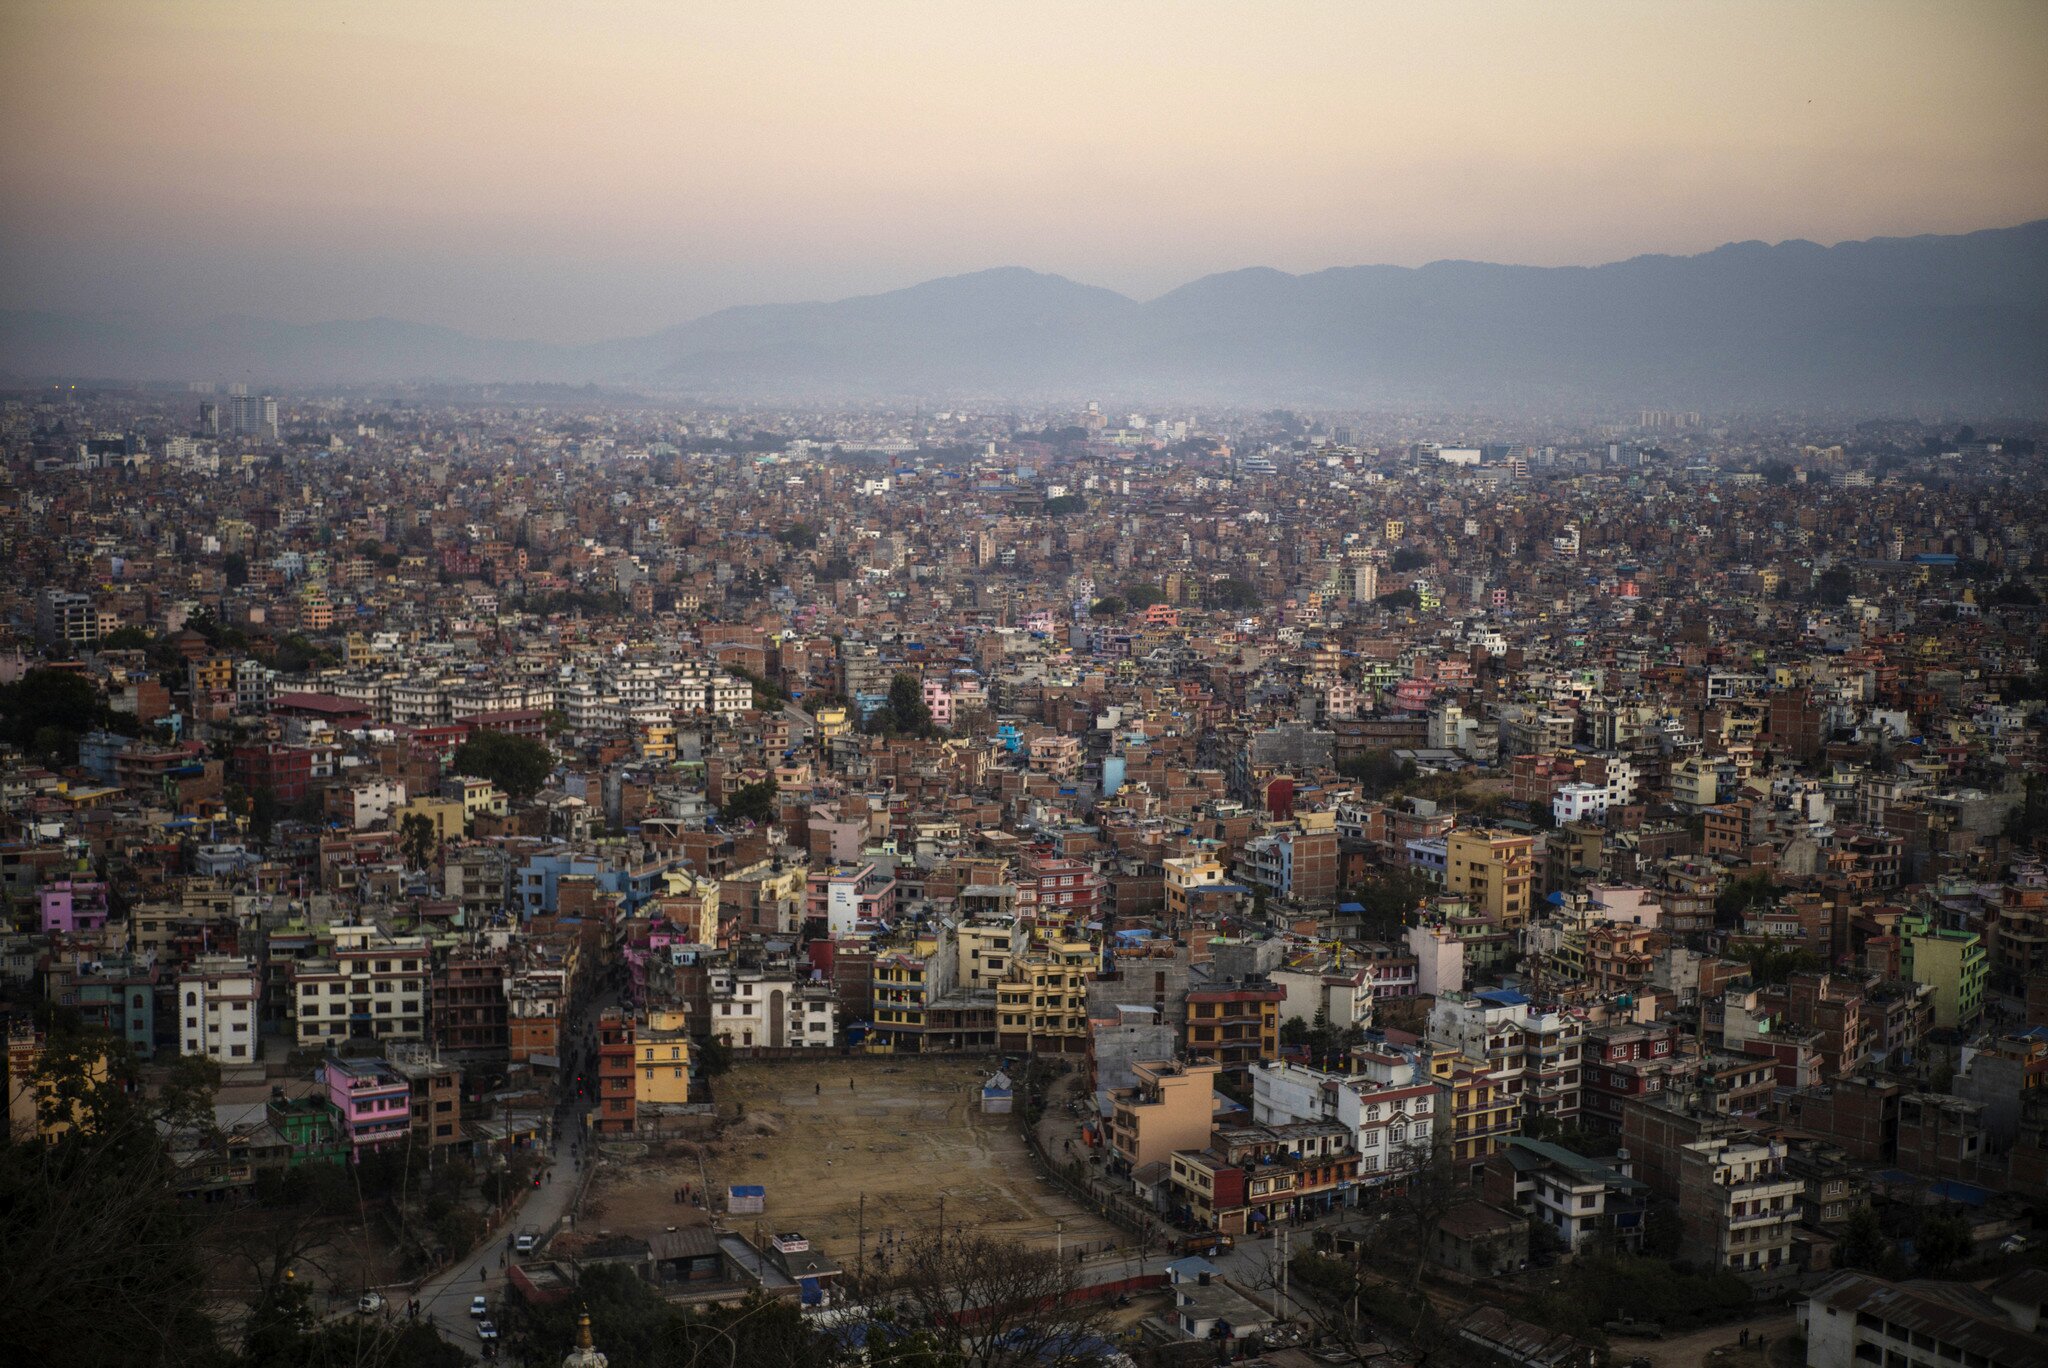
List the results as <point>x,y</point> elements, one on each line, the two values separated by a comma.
<point>370,1302</point>
<point>486,1331</point>
<point>478,1307</point>
<point>526,1243</point>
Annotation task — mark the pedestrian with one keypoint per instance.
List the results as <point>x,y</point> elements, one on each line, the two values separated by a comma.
<point>1744,1341</point>
<point>817,1088</point>
<point>483,1275</point>
<point>1761,1341</point>
<point>849,1085</point>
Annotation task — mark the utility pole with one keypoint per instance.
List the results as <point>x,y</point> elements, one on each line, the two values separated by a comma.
<point>1286,1237</point>
<point>1059,1240</point>
<point>860,1245</point>
<point>942,1225</point>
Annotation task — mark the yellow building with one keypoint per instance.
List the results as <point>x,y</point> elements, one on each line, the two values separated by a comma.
<point>661,1050</point>
<point>1043,1008</point>
<point>832,721</point>
<point>1171,1108</point>
<point>691,904</point>
<point>985,954</point>
<point>658,742</point>
<point>1186,876</point>
<point>446,814</point>
<point>1474,1114</point>
<point>1495,871</point>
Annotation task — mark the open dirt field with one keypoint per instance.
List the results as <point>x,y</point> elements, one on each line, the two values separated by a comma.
<point>909,1133</point>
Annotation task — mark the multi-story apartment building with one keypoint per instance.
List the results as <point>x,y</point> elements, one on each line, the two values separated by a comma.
<point>1533,1055</point>
<point>1737,1202</point>
<point>617,1092</point>
<point>436,1099</point>
<point>1623,1061</point>
<point>372,1102</point>
<point>1474,1118</point>
<point>1955,964</point>
<point>374,987</point>
<point>469,1004</point>
<point>1235,1025</point>
<point>1494,869</point>
<point>845,897</point>
<point>1059,892</point>
<point>661,1065</point>
<point>1042,1008</point>
<point>1388,1106</point>
<point>218,997</point>
<point>1583,1201</point>
<point>1171,1108</point>
<point>1250,1177</point>
<point>1855,1319</point>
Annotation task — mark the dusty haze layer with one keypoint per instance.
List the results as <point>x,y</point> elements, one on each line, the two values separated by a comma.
<point>569,173</point>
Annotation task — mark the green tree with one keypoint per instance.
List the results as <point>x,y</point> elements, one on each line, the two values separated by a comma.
<point>799,536</point>
<point>907,708</point>
<point>517,764</point>
<point>1377,771</point>
<point>1107,606</point>
<point>1232,595</point>
<point>1943,1242</point>
<point>1143,596</point>
<point>235,566</point>
<point>1399,598</point>
<point>417,840</point>
<point>1065,504</point>
<point>753,802</point>
<point>58,702</point>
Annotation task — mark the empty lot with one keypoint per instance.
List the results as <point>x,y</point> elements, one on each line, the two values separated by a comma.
<point>907,1134</point>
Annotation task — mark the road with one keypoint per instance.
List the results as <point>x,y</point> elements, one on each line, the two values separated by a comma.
<point>444,1298</point>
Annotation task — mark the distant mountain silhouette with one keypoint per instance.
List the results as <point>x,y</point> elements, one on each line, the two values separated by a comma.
<point>1889,325</point>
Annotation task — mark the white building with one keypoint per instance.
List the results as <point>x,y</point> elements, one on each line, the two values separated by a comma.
<point>775,1008</point>
<point>1578,803</point>
<point>217,998</point>
<point>1389,1107</point>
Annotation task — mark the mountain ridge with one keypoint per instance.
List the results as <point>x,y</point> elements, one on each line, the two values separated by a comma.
<point>1928,321</point>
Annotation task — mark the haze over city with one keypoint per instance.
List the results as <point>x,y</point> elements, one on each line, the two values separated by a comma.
<point>575,173</point>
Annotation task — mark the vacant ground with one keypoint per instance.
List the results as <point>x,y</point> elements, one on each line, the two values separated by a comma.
<point>908,1135</point>
<point>1715,1348</point>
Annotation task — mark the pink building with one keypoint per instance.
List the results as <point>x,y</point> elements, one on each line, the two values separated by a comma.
<point>372,1102</point>
<point>72,906</point>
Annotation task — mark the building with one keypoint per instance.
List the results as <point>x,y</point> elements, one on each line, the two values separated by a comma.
<point>1474,1117</point>
<point>66,619</point>
<point>436,1093</point>
<point>1170,1108</point>
<point>1738,1205</point>
<point>470,1010</point>
<point>661,1049</point>
<point>1495,870</point>
<point>1955,965</point>
<point>217,1009</point>
<point>1387,1106</point>
<point>616,1089</point>
<point>373,987</point>
<point>773,1007</point>
<point>372,1103</point>
<point>1043,1006</point>
<point>849,897</point>
<point>1585,1202</point>
<point>1855,1319</point>
<point>1236,1025</point>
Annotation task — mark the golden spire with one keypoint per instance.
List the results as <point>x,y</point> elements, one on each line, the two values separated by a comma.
<point>583,1330</point>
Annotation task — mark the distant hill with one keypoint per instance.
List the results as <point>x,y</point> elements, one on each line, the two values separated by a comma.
<point>1889,325</point>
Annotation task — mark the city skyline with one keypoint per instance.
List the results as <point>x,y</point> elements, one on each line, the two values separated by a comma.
<point>519,172</point>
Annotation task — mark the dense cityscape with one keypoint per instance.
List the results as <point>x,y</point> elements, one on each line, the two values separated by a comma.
<point>1285,886</point>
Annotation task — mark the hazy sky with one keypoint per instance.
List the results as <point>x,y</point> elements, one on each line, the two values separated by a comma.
<point>577,169</point>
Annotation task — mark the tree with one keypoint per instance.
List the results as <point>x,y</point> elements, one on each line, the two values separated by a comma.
<point>1009,1305</point>
<point>49,706</point>
<point>1143,596</point>
<point>1776,473</point>
<point>1408,558</point>
<point>1063,505</point>
<point>1232,595</point>
<point>1864,1245</point>
<point>1377,771</point>
<point>714,1057</point>
<point>1399,598</point>
<point>417,840</point>
<point>798,536</point>
<point>101,1267</point>
<point>753,802</point>
<point>1834,586</point>
<point>1107,606</point>
<point>517,764</point>
<point>1943,1241</point>
<point>907,710</point>
<point>235,566</point>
